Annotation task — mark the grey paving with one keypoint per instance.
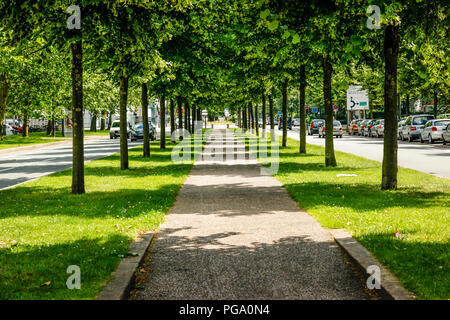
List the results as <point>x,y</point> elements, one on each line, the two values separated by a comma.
<point>236,234</point>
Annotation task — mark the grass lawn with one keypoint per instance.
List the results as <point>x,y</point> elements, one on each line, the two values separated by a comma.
<point>44,228</point>
<point>419,210</point>
<point>16,141</point>
<point>96,133</point>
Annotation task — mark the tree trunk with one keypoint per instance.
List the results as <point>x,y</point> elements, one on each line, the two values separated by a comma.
<point>77,116</point>
<point>186,114</point>
<point>103,121</point>
<point>284,111</point>
<point>4,89</point>
<point>180,116</point>
<point>302,103</point>
<point>238,114</point>
<point>194,118</point>
<point>49,127</point>
<point>391,44</point>
<point>256,120</point>
<point>249,119</point>
<point>94,123</point>
<point>272,123</point>
<point>263,111</point>
<point>110,120</point>
<point>123,92</point>
<point>407,104</point>
<point>53,127</point>
<point>330,159</point>
<point>25,124</point>
<point>435,109</point>
<point>244,118</point>
<point>252,117</point>
<point>172,119</point>
<point>162,107</point>
<point>144,104</point>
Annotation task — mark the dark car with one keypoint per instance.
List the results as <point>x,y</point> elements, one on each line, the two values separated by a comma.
<point>313,127</point>
<point>280,123</point>
<point>139,131</point>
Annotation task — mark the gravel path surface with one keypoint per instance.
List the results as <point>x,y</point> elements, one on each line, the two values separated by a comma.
<point>236,234</point>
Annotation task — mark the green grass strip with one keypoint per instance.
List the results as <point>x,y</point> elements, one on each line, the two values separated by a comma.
<point>419,210</point>
<point>44,228</point>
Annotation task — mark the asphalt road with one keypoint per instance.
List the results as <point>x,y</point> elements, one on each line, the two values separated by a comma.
<point>22,166</point>
<point>433,159</point>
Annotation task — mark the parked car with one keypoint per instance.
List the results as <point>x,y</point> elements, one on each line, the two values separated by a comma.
<point>446,135</point>
<point>114,132</point>
<point>296,122</point>
<point>368,128</point>
<point>9,130</point>
<point>337,130</point>
<point>377,129</point>
<point>413,126</point>
<point>352,128</point>
<point>361,126</point>
<point>401,123</point>
<point>138,132</point>
<point>280,123</point>
<point>433,129</point>
<point>313,127</point>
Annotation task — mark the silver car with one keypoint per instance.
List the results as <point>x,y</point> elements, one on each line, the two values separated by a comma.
<point>413,126</point>
<point>401,123</point>
<point>377,129</point>
<point>433,129</point>
<point>337,129</point>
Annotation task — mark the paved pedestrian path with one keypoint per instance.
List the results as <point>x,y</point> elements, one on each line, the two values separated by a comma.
<point>236,234</point>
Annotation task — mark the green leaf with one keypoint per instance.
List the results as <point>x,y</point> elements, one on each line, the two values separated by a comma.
<point>295,39</point>
<point>273,25</point>
<point>264,14</point>
<point>286,34</point>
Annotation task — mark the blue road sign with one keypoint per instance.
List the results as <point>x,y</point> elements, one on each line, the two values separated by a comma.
<point>314,110</point>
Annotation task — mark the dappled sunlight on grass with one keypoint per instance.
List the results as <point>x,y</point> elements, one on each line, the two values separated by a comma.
<point>44,228</point>
<point>419,210</point>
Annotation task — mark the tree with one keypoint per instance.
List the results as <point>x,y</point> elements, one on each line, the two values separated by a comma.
<point>144,104</point>
<point>302,109</point>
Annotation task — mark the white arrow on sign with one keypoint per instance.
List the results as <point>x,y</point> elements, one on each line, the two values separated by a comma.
<point>357,99</point>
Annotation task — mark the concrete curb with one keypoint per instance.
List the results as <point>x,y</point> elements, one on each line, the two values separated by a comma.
<point>121,279</point>
<point>390,285</point>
